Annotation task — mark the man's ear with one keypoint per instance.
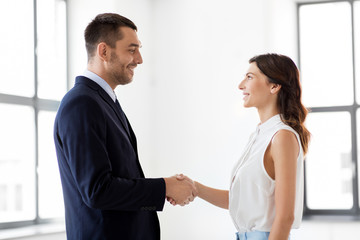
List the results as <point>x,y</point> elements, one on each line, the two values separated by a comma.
<point>103,51</point>
<point>275,88</point>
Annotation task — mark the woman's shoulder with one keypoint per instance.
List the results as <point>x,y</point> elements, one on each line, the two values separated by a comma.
<point>285,135</point>
<point>285,140</point>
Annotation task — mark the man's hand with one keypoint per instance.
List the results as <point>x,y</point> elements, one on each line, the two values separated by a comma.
<point>180,190</point>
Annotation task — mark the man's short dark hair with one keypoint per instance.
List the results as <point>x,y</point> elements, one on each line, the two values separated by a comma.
<point>105,28</point>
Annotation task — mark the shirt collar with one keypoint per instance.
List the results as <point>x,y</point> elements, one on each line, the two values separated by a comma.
<point>269,123</point>
<point>103,84</point>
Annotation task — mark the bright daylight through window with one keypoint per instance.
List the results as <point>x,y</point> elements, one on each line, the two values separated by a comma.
<point>328,55</point>
<point>33,81</point>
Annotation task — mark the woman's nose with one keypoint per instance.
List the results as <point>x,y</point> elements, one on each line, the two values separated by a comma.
<point>242,85</point>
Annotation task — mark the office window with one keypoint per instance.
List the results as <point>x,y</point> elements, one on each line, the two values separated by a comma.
<point>328,53</point>
<point>51,50</point>
<point>330,158</point>
<point>50,192</point>
<point>17,162</point>
<point>17,55</point>
<point>34,78</point>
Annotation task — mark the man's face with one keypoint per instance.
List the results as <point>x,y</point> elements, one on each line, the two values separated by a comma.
<point>124,58</point>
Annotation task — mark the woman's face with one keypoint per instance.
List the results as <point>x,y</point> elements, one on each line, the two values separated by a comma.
<point>256,88</point>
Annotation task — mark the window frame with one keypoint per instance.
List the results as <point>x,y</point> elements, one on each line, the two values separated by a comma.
<point>354,212</point>
<point>38,104</point>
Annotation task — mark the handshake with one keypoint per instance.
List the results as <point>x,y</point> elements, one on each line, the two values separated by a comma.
<point>180,190</point>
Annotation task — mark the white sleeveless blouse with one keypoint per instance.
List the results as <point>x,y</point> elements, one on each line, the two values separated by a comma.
<point>252,190</point>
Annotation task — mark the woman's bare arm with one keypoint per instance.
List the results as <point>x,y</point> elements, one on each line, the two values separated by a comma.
<point>284,151</point>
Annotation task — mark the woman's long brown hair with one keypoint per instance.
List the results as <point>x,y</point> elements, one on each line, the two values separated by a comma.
<point>282,70</point>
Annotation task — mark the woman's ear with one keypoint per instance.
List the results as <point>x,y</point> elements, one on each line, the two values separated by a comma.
<point>275,88</point>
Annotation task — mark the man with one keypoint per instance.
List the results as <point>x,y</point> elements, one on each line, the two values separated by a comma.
<point>106,195</point>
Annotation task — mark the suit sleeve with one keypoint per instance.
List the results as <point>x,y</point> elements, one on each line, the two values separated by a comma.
<point>81,128</point>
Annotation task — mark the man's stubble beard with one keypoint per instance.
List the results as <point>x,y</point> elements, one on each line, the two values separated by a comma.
<point>119,76</point>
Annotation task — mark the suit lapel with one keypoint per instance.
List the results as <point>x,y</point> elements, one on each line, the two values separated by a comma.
<point>131,134</point>
<point>109,101</point>
<point>134,143</point>
<point>116,109</point>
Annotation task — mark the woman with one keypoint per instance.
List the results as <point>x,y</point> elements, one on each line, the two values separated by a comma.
<point>265,199</point>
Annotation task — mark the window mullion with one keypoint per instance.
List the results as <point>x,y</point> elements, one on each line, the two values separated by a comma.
<point>353,48</point>
<point>354,160</point>
<point>36,112</point>
<point>354,121</point>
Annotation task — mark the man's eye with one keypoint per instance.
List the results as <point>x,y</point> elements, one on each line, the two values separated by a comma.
<point>132,50</point>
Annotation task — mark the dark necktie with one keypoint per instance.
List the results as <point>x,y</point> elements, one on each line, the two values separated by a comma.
<point>122,116</point>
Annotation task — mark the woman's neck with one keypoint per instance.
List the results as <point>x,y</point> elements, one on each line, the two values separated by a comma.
<point>267,113</point>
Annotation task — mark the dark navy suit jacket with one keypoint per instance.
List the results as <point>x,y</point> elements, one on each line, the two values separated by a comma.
<point>106,195</point>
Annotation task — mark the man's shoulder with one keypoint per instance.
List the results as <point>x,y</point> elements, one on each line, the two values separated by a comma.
<point>80,97</point>
<point>83,88</point>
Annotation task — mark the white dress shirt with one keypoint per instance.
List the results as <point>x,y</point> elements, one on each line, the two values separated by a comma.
<point>252,190</point>
<point>92,76</point>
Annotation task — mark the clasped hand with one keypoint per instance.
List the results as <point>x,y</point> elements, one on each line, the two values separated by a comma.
<point>180,190</point>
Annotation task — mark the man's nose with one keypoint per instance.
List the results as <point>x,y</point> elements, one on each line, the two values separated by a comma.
<point>138,58</point>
